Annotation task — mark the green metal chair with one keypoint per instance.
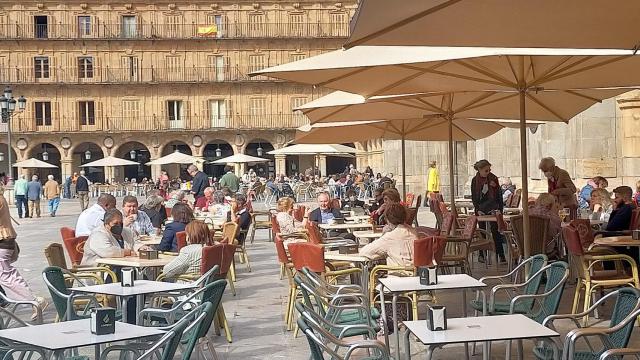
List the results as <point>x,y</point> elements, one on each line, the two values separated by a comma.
<point>321,341</point>
<point>513,282</point>
<point>63,299</point>
<point>10,350</point>
<point>617,335</point>
<point>544,304</point>
<point>619,353</point>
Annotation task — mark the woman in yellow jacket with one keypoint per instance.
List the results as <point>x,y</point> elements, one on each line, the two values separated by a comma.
<point>433,182</point>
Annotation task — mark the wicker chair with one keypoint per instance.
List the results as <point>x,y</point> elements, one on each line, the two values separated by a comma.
<point>538,226</point>
<point>457,249</point>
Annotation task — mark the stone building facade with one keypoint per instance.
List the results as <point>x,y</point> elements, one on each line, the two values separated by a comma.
<point>139,80</point>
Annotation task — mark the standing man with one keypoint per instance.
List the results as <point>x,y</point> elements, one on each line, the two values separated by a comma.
<point>199,183</point>
<point>433,182</point>
<point>82,189</point>
<point>560,184</point>
<point>34,190</point>
<point>52,193</point>
<point>230,180</point>
<point>92,217</point>
<point>20,190</point>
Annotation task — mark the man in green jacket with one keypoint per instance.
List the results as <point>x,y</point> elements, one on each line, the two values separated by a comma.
<point>230,180</point>
<point>20,191</point>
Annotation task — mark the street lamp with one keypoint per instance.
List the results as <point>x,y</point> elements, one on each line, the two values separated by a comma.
<point>132,154</point>
<point>87,155</point>
<point>7,111</point>
<point>45,154</point>
<point>218,151</point>
<point>259,150</point>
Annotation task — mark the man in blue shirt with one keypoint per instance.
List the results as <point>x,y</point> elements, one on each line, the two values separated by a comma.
<point>34,191</point>
<point>620,218</point>
<point>20,191</point>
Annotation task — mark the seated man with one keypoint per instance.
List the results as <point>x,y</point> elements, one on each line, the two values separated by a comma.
<point>207,200</point>
<point>325,213</point>
<point>138,221</point>
<point>620,218</point>
<point>110,239</point>
<point>352,201</point>
<point>91,218</point>
<point>378,200</point>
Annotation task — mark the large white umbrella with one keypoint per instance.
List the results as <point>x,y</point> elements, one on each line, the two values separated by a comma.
<point>316,149</point>
<point>240,159</point>
<point>530,72</point>
<point>175,157</point>
<point>34,164</point>
<point>110,161</point>
<point>508,23</point>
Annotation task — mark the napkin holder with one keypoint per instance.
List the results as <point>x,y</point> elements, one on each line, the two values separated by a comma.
<point>635,234</point>
<point>348,249</point>
<point>428,275</point>
<point>128,277</point>
<point>148,254</point>
<point>436,318</point>
<point>338,221</point>
<point>103,321</point>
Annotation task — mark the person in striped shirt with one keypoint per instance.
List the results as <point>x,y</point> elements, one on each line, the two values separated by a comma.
<point>190,257</point>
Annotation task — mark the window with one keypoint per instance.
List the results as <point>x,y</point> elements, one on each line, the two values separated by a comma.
<point>129,26</point>
<point>173,68</point>
<point>296,25</point>
<point>43,113</point>
<point>218,109</point>
<point>339,25</point>
<point>130,68</point>
<point>257,106</point>
<point>298,57</point>
<point>298,116</point>
<point>86,110</point>
<point>216,62</point>
<point>131,109</point>
<point>173,26</point>
<point>85,67</point>
<point>41,27</point>
<point>256,25</point>
<point>84,26</point>
<point>41,67</point>
<point>175,114</point>
<point>256,62</point>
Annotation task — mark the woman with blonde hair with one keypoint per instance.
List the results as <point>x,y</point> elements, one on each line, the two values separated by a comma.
<point>547,205</point>
<point>189,259</point>
<point>601,204</point>
<point>289,225</point>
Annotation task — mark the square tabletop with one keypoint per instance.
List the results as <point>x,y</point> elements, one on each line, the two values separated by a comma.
<point>479,329</point>
<point>73,334</point>
<point>140,287</point>
<point>617,241</point>
<point>445,282</point>
<point>334,255</point>
<point>136,262</point>
<point>367,234</point>
<point>345,226</point>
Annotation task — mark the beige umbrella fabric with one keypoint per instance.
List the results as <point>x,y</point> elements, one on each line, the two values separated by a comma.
<point>34,164</point>
<point>239,159</point>
<point>175,157</point>
<point>507,23</point>
<point>316,149</point>
<point>110,161</point>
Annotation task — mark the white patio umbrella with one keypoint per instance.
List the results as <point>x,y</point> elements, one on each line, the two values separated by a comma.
<point>34,163</point>
<point>508,23</point>
<point>175,157</point>
<point>109,161</point>
<point>239,159</point>
<point>317,150</point>
<point>529,72</point>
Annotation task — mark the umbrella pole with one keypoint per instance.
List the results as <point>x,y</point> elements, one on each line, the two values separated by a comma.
<point>451,165</point>
<point>404,166</point>
<point>525,177</point>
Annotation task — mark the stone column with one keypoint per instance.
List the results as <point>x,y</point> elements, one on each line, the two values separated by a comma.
<point>361,161</point>
<point>281,164</point>
<point>629,137</point>
<point>322,164</point>
<point>66,170</point>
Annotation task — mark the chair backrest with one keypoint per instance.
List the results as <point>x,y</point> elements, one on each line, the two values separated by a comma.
<point>229,232</point>
<point>54,279</point>
<point>502,225</point>
<point>200,320</point>
<point>557,275</point>
<point>315,236</point>
<point>73,246</point>
<point>307,255</point>
<point>635,220</point>
<point>572,240</point>
<point>626,303</point>
<point>408,200</point>
<point>470,225</point>
<point>298,213</point>
<point>55,255</point>
<point>515,199</point>
<point>447,224</point>
<point>314,350</point>
<point>419,201</point>
<point>167,210</point>
<point>585,232</point>
<point>275,227</point>
<point>219,254</point>
<point>283,258</point>
<point>538,226</point>
<point>428,251</point>
<point>181,239</point>
<point>67,232</point>
<point>411,216</point>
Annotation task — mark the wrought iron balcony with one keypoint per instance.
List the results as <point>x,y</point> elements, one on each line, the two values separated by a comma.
<point>146,31</point>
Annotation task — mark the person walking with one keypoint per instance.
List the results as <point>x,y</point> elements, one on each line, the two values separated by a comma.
<point>230,180</point>
<point>11,281</point>
<point>52,193</point>
<point>433,182</point>
<point>34,190</point>
<point>20,191</point>
<point>82,189</point>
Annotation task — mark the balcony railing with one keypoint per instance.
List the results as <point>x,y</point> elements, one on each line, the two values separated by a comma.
<point>174,31</point>
<point>108,75</point>
<point>23,124</point>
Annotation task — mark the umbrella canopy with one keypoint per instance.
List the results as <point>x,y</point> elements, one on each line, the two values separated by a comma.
<point>175,157</point>
<point>316,149</point>
<point>239,159</point>
<point>110,161</point>
<point>508,23</point>
<point>34,163</point>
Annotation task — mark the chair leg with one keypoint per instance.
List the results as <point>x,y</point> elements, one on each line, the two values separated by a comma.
<point>232,270</point>
<point>246,258</point>
<point>224,323</point>
<point>587,301</point>
<point>253,233</point>
<point>230,281</point>
<point>292,300</point>
<point>281,271</point>
<point>576,297</point>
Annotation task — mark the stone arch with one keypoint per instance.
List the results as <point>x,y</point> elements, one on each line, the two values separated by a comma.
<point>174,145</point>
<point>265,169</point>
<point>49,153</point>
<point>134,151</point>
<point>78,157</point>
<point>209,154</point>
<point>4,160</point>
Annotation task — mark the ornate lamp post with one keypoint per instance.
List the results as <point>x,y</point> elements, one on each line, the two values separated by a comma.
<point>8,110</point>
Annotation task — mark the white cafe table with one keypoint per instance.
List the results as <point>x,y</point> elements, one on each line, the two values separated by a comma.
<point>360,261</point>
<point>60,336</point>
<point>139,290</point>
<point>397,285</point>
<point>358,218</point>
<point>476,329</point>
<point>345,226</point>
<point>150,239</point>
<point>367,234</point>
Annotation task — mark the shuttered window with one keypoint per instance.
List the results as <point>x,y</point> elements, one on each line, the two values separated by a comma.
<point>42,110</point>
<point>87,112</point>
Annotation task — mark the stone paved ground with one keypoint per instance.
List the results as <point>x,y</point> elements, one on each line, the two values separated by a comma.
<point>256,313</point>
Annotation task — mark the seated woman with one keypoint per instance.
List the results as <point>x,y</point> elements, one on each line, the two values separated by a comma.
<point>547,205</point>
<point>240,215</point>
<point>190,257</point>
<point>601,204</point>
<point>175,197</point>
<point>182,215</point>
<point>396,246</point>
<point>153,208</point>
<point>289,225</point>
<point>110,240</point>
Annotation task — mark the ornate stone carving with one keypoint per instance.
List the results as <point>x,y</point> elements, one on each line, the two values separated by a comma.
<point>172,7</point>
<point>65,142</point>
<point>197,141</point>
<point>40,6</point>
<point>155,142</point>
<point>239,140</point>
<point>215,6</point>
<point>256,6</point>
<point>296,6</point>
<point>22,144</point>
<point>108,142</point>
<point>84,6</point>
<point>128,7</point>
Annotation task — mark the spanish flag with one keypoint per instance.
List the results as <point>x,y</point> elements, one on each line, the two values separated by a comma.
<point>207,31</point>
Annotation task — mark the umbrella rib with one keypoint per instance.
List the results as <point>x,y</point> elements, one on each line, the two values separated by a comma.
<point>575,93</point>
<point>355,72</point>
<point>513,70</point>
<point>487,72</point>
<point>548,75</point>
<point>544,106</point>
<point>401,103</point>
<point>587,68</point>
<point>419,72</point>
<point>433,107</point>
<point>492,101</point>
<point>404,22</point>
<point>464,132</point>
<point>333,113</point>
<point>476,100</point>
